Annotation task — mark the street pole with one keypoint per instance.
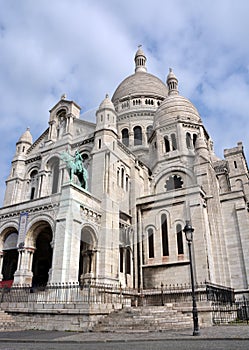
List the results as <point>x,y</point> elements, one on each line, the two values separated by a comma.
<point>188,229</point>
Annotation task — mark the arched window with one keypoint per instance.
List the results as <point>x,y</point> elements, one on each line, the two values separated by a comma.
<point>174,182</point>
<point>121,259</point>
<point>53,165</point>
<point>165,239</point>
<point>137,135</point>
<point>128,262</point>
<point>188,140</point>
<point>61,130</point>
<point>151,243</point>
<point>167,144</point>
<point>32,194</point>
<point>194,139</point>
<point>122,177</point>
<point>179,239</point>
<point>118,174</point>
<point>149,131</point>
<point>127,183</point>
<point>173,142</point>
<point>33,178</point>
<point>125,137</point>
<point>55,182</point>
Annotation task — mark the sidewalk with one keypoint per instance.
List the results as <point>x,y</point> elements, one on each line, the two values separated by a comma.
<point>214,333</point>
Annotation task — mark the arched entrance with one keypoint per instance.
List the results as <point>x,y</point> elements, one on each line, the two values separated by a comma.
<point>10,256</point>
<point>87,259</point>
<point>42,259</point>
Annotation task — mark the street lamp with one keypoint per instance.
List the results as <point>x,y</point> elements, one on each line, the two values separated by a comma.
<point>188,230</point>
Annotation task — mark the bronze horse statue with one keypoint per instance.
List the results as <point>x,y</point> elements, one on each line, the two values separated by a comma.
<point>76,167</point>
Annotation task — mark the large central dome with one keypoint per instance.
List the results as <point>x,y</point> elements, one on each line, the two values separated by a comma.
<point>140,83</point>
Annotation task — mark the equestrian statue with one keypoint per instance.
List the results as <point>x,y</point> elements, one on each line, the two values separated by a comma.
<point>75,166</point>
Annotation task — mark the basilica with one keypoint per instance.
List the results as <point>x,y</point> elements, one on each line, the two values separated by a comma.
<point>108,201</point>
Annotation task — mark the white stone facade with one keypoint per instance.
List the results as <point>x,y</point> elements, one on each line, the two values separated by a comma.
<point>151,166</point>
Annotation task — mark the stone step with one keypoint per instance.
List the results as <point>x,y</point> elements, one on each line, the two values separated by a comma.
<point>144,319</point>
<point>6,321</point>
<point>165,325</point>
<point>143,328</point>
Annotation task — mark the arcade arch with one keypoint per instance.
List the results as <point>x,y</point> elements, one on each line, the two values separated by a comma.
<point>9,256</point>
<point>40,236</point>
<point>87,259</point>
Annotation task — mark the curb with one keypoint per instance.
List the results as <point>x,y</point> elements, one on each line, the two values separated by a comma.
<point>57,341</point>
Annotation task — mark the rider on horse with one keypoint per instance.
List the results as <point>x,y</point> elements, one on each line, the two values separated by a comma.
<point>78,160</point>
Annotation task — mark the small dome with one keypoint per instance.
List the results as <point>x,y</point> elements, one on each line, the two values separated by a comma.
<point>171,74</point>
<point>26,137</point>
<point>106,103</point>
<point>174,107</point>
<point>139,52</point>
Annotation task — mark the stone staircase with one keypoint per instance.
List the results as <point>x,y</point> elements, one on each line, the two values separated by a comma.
<point>144,319</point>
<point>7,322</point>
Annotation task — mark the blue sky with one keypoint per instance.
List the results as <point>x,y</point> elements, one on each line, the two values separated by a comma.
<point>85,48</point>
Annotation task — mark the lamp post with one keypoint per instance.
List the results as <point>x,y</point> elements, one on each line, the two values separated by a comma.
<point>188,230</point>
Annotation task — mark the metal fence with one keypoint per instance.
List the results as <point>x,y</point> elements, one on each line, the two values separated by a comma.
<point>98,293</point>
<point>229,313</point>
<point>64,293</point>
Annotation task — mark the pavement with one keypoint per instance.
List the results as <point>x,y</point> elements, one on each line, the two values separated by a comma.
<point>236,332</point>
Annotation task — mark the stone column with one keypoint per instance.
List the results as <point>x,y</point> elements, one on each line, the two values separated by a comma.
<point>23,274</point>
<point>131,138</point>
<point>52,131</point>
<point>140,242</point>
<point>1,265</point>
<point>39,186</point>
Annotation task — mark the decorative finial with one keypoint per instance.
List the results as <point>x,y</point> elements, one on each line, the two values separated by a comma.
<point>106,96</point>
<point>63,96</point>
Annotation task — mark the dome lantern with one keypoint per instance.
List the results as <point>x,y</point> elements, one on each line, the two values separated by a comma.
<point>140,60</point>
<point>172,83</point>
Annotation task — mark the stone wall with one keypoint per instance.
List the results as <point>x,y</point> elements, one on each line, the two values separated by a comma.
<point>64,317</point>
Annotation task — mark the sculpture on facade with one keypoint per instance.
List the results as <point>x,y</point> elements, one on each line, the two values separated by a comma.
<point>75,166</point>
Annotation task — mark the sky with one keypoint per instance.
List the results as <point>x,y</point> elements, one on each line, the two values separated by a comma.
<point>85,48</point>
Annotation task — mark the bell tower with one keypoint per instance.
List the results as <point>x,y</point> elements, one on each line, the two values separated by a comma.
<point>61,119</point>
<point>15,181</point>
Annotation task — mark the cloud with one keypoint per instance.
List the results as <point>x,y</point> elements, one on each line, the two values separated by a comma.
<point>86,48</point>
